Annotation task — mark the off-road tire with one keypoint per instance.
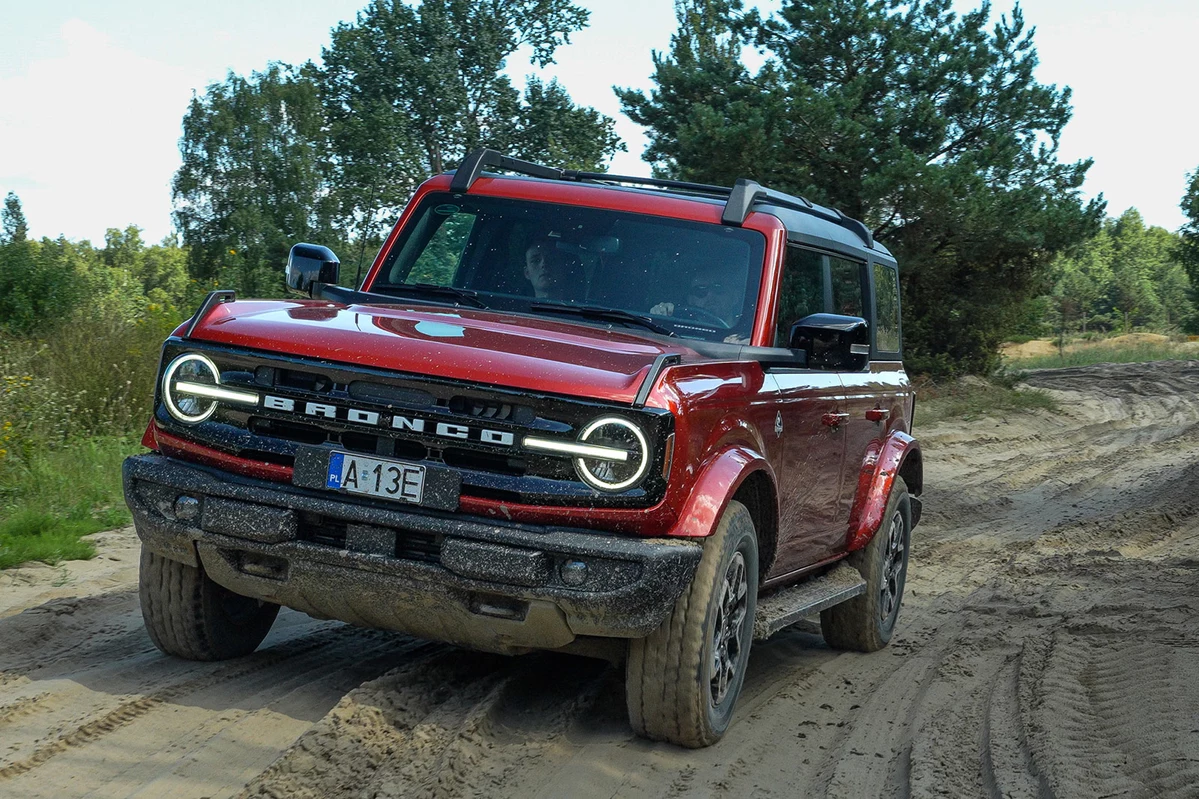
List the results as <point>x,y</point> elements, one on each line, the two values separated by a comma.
<point>668,674</point>
<point>859,623</point>
<point>190,616</point>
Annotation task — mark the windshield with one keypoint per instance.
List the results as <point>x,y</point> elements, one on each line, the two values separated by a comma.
<point>689,279</point>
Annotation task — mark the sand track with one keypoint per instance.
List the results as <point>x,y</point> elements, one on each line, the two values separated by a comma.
<point>1049,647</point>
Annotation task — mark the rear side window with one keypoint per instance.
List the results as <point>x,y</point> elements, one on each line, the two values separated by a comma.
<point>846,279</point>
<point>886,309</point>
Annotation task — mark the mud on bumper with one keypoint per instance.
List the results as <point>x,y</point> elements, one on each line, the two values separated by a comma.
<point>490,585</point>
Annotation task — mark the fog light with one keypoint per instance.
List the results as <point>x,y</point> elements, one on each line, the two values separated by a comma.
<point>187,508</point>
<point>573,572</point>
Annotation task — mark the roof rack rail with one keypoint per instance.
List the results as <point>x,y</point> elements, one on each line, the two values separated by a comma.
<point>741,197</point>
<point>747,192</point>
<point>683,185</point>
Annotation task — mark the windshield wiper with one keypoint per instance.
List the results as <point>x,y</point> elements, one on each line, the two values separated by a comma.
<point>460,296</point>
<point>604,314</point>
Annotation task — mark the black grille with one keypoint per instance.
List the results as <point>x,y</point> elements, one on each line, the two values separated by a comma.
<point>293,378</point>
<point>322,530</point>
<point>481,409</point>
<point>411,545</point>
<point>483,461</point>
<point>355,441</point>
<point>330,532</point>
<point>494,466</point>
<point>291,431</point>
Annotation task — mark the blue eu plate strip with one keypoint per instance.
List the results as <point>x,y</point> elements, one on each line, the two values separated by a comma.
<point>334,479</point>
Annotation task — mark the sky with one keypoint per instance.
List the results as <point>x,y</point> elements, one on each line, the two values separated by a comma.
<point>92,92</point>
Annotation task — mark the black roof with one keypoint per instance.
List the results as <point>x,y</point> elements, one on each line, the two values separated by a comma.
<point>805,221</point>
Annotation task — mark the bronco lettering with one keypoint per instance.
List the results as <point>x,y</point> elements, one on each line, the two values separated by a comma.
<point>458,432</point>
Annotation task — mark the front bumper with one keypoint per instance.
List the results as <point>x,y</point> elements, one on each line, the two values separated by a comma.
<point>490,585</point>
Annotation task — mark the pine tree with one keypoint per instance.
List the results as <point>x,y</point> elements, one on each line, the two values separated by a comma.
<point>927,126</point>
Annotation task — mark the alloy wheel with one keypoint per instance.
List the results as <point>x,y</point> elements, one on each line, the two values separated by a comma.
<point>729,629</point>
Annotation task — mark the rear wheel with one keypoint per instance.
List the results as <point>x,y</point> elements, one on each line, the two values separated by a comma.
<point>190,616</point>
<point>865,623</point>
<point>684,679</point>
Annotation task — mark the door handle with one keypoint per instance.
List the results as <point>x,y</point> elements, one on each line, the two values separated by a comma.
<point>834,419</point>
<point>876,414</point>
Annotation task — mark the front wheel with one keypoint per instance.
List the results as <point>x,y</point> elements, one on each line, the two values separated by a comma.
<point>865,623</point>
<point>683,680</point>
<point>190,616</point>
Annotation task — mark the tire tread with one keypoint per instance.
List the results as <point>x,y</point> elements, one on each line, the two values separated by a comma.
<point>664,671</point>
<point>181,610</point>
<point>853,624</point>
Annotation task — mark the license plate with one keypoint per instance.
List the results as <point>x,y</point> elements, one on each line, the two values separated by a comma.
<point>374,477</point>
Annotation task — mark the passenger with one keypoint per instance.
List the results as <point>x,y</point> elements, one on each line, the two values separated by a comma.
<point>548,270</point>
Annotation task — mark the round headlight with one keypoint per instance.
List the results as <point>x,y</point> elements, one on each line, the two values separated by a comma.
<point>186,405</point>
<point>608,474</point>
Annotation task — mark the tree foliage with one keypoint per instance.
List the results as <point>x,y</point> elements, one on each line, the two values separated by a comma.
<point>53,282</point>
<point>251,182</point>
<point>927,125</point>
<point>328,154</point>
<point>12,220</point>
<point>1127,276</point>
<point>409,90</point>
<point>1189,244</point>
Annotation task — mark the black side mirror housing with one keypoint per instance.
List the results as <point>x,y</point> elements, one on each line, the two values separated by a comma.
<point>832,341</point>
<point>309,264</point>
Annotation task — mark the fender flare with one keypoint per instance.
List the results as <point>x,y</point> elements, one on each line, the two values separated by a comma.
<point>717,483</point>
<point>882,463</point>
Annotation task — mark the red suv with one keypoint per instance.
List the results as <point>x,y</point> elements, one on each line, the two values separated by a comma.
<point>565,410</point>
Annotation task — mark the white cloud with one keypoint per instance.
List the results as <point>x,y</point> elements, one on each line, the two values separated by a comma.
<point>90,139</point>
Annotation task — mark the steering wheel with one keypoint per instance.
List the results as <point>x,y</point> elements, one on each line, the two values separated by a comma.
<point>697,314</point>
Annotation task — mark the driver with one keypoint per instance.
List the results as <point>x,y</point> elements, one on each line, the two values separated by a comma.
<point>710,290</point>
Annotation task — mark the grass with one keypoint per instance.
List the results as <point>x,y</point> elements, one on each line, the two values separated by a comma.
<point>975,398</point>
<point>73,402</point>
<point>1090,355</point>
<point>49,501</point>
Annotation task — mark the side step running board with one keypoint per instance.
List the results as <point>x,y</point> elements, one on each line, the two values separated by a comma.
<point>787,606</point>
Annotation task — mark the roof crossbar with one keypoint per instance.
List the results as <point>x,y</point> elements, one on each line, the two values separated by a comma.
<point>741,197</point>
<point>472,166</point>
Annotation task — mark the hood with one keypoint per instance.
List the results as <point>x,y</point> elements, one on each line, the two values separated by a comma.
<point>542,355</point>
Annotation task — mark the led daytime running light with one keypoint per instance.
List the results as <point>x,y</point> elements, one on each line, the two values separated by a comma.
<point>217,393</point>
<point>590,451</point>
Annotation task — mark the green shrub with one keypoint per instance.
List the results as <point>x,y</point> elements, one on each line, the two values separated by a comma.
<point>73,404</point>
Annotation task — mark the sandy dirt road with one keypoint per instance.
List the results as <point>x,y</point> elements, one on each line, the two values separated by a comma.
<point>1048,647</point>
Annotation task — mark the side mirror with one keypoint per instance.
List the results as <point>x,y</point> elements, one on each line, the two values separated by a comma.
<point>308,264</point>
<point>832,341</point>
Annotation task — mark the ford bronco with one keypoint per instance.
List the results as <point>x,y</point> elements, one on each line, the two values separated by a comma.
<point>561,409</point>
